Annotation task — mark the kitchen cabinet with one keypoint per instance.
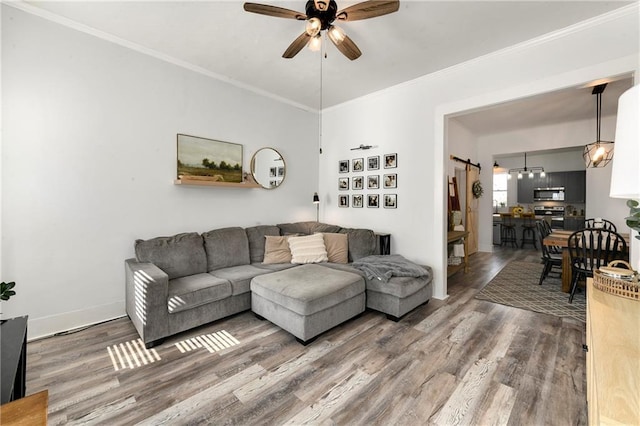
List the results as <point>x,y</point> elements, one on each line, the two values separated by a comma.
<point>557,179</point>
<point>497,228</point>
<point>525,190</point>
<point>573,223</point>
<point>575,187</point>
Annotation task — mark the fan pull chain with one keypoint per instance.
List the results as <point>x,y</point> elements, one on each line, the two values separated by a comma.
<point>322,46</point>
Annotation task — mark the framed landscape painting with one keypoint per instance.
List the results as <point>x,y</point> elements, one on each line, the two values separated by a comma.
<point>208,159</point>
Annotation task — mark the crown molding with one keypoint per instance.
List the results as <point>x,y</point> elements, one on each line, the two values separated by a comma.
<point>69,23</point>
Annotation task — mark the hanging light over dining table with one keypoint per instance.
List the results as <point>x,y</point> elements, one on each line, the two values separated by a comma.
<point>598,153</point>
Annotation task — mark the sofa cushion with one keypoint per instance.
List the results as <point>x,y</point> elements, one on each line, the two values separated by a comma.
<point>272,267</point>
<point>400,287</point>
<point>337,247</point>
<point>226,247</point>
<point>308,249</point>
<point>306,228</point>
<point>308,289</point>
<point>362,242</point>
<point>178,256</point>
<point>196,290</point>
<point>239,276</point>
<point>276,250</point>
<point>256,236</point>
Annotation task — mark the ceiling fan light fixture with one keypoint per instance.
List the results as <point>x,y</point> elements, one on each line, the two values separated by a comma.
<point>315,43</point>
<point>313,27</point>
<point>336,34</point>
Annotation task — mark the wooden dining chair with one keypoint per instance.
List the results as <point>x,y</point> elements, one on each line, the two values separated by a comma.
<point>592,248</point>
<point>546,228</point>
<point>606,224</point>
<point>549,259</point>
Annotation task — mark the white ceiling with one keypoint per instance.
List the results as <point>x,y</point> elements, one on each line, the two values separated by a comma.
<point>222,39</point>
<point>572,104</point>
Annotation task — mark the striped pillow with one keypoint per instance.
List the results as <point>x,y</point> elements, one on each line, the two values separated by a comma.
<point>308,249</point>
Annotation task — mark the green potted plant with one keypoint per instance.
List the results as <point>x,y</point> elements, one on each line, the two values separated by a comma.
<point>6,290</point>
<point>633,221</point>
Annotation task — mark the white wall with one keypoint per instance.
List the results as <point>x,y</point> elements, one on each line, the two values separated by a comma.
<point>410,119</point>
<point>89,158</point>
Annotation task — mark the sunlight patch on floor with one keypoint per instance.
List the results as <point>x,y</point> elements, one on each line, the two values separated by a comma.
<point>213,342</point>
<point>131,354</point>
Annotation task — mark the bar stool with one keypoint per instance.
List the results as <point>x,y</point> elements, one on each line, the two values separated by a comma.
<point>508,230</point>
<point>528,231</point>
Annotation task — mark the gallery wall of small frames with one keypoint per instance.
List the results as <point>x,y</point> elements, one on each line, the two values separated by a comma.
<point>370,182</point>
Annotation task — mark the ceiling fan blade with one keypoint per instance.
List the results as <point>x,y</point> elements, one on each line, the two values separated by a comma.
<point>297,45</point>
<point>368,9</point>
<point>278,12</point>
<point>348,48</point>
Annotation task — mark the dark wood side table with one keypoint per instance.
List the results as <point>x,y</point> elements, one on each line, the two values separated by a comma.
<point>384,242</point>
<point>13,358</point>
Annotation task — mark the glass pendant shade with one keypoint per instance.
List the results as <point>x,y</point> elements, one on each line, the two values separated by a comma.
<point>336,35</point>
<point>313,27</point>
<point>315,43</point>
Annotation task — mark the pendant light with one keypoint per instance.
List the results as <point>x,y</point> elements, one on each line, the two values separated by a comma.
<point>598,153</point>
<point>528,171</point>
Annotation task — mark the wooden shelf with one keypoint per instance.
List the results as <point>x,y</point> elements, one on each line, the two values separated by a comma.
<point>194,182</point>
<point>452,237</point>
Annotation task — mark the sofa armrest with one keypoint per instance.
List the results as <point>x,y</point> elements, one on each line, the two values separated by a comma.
<point>147,288</point>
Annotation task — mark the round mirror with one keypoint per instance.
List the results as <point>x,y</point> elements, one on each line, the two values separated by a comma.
<point>268,168</point>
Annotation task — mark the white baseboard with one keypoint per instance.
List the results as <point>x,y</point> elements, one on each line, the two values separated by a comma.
<point>48,326</point>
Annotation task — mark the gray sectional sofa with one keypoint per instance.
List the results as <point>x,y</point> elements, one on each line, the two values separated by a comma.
<point>180,282</point>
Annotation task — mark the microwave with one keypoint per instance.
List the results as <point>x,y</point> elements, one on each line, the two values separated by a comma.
<point>548,194</point>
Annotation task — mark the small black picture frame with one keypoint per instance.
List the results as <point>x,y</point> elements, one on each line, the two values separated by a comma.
<point>373,201</point>
<point>373,163</point>
<point>357,164</point>
<point>390,161</point>
<point>343,166</point>
<point>343,184</point>
<point>390,201</point>
<point>373,182</point>
<point>390,181</point>
<point>357,183</point>
<point>343,200</point>
<point>357,201</point>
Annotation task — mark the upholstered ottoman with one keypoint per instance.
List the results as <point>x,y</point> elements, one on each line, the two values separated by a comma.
<point>399,295</point>
<point>308,300</point>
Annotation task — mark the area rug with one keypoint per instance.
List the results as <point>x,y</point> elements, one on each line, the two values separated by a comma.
<point>517,285</point>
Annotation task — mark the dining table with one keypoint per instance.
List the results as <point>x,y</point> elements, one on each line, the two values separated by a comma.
<point>560,238</point>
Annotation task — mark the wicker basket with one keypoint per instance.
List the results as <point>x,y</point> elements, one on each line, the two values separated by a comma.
<point>616,286</point>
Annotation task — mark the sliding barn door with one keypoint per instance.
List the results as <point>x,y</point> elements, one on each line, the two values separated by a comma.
<point>471,211</point>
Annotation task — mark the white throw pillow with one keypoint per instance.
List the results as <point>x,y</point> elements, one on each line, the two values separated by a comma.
<point>308,249</point>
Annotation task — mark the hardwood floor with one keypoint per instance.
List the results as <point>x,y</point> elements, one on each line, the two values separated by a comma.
<point>458,361</point>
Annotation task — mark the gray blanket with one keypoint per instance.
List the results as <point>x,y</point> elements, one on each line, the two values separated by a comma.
<point>383,267</point>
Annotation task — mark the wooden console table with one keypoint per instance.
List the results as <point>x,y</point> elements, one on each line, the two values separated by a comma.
<point>453,237</point>
<point>28,411</point>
